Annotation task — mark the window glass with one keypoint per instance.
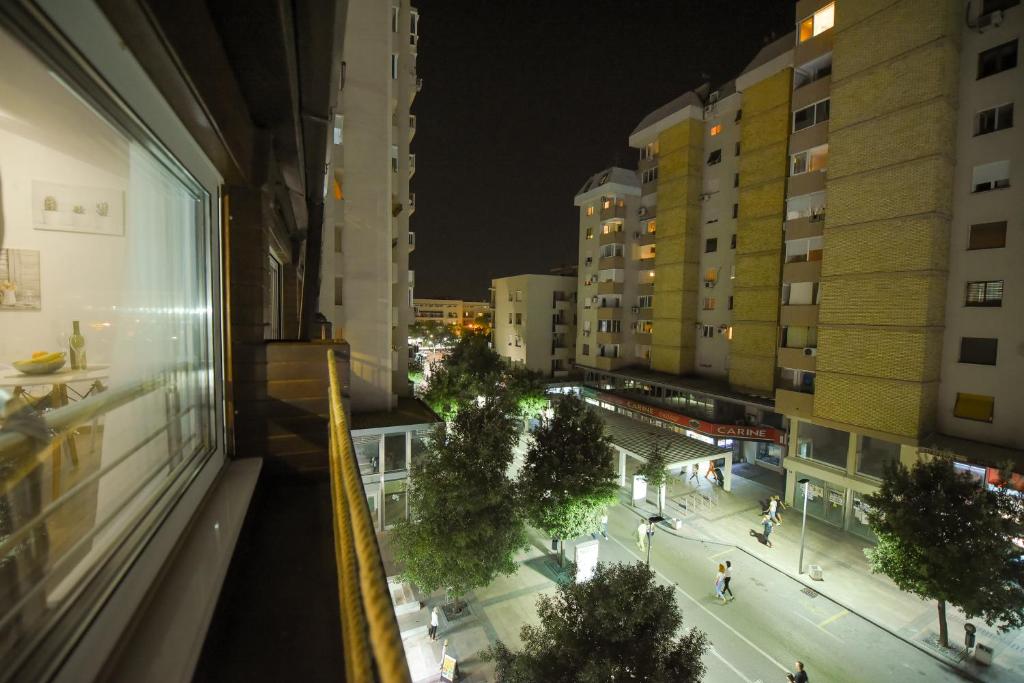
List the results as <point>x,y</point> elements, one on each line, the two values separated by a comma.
<point>984,293</point>
<point>874,454</point>
<point>997,59</point>
<point>714,157</point>
<point>103,273</point>
<point>367,453</point>
<point>395,495</point>
<point>716,129</point>
<point>978,350</point>
<point>987,236</point>
<point>822,444</point>
<point>711,245</point>
<point>394,452</point>
<point>991,176</point>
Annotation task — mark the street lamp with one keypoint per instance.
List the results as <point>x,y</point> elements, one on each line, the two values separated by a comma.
<point>651,521</point>
<point>803,528</point>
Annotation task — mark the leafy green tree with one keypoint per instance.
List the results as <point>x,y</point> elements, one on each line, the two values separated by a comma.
<point>568,477</point>
<point>618,626</point>
<point>945,537</point>
<point>655,471</point>
<point>464,526</point>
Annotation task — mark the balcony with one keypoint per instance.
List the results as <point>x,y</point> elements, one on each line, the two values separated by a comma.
<point>794,403</point>
<point>608,362</point>
<point>645,288</point>
<point>609,313</point>
<point>643,313</point>
<point>563,304</point>
<point>412,203</point>
<point>644,338</point>
<point>812,92</point>
<point>808,226</point>
<point>613,211</point>
<point>796,358</point>
<point>646,263</point>
<point>806,183</point>
<point>643,238</point>
<point>412,165</point>
<point>609,337</point>
<point>803,315</point>
<point>610,287</point>
<point>801,271</point>
<point>808,137</point>
<point>611,262</point>
<point>614,237</point>
<point>412,126</point>
<point>816,46</point>
<point>412,241</point>
<point>561,352</point>
<point>559,327</point>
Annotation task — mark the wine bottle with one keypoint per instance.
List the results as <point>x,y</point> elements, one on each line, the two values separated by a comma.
<point>77,344</point>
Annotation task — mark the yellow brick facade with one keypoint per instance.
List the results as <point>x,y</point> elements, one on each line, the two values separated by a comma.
<point>759,241</point>
<point>677,259</point>
<point>895,65</point>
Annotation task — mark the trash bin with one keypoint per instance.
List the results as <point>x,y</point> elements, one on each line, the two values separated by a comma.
<point>983,654</point>
<point>814,571</point>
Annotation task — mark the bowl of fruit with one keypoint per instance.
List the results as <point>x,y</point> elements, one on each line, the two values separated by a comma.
<point>41,363</point>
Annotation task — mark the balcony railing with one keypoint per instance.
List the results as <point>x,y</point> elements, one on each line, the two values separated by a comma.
<point>372,641</point>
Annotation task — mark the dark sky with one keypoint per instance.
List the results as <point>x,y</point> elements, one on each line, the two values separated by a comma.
<point>523,100</point>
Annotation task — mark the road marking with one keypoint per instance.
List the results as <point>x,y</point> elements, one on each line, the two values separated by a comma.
<point>729,664</point>
<point>833,618</point>
<point>709,612</point>
<point>724,552</point>
<point>825,631</point>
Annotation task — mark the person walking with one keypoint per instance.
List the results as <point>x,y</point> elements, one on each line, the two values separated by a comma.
<point>766,524</point>
<point>728,578</point>
<point>641,536</point>
<point>695,474</point>
<point>800,676</point>
<point>712,474</point>
<point>604,525</point>
<point>434,620</point>
<point>720,584</point>
<point>780,506</point>
<point>773,509</point>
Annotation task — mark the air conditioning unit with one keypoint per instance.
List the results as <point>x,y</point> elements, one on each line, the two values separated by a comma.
<point>642,211</point>
<point>990,20</point>
<point>810,351</point>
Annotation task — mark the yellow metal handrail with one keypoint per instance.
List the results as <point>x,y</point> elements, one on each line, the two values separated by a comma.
<point>370,635</point>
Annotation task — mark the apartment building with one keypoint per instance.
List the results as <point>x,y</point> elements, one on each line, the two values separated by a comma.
<point>370,202</point>
<point>534,322</point>
<point>454,312</point>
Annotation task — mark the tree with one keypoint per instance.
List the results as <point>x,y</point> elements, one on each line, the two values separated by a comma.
<point>620,625</point>
<point>568,477</point>
<point>655,471</point>
<point>945,537</point>
<point>464,526</point>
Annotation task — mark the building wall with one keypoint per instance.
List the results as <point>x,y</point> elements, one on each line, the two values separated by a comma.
<point>529,342</point>
<point>762,168</point>
<point>678,246</point>
<point>890,171</point>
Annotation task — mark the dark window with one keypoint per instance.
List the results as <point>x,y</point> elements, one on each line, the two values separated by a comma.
<point>735,210</point>
<point>710,245</point>
<point>736,180</point>
<point>586,349</point>
<point>730,303</point>
<point>715,157</point>
<point>519,318</point>
<point>732,242</point>
<point>809,116</point>
<point>509,318</point>
<point>991,120</point>
<point>978,350</point>
<point>997,59</point>
<point>988,6</point>
<point>739,114</point>
<point>737,149</point>
<point>984,293</point>
<point>988,236</point>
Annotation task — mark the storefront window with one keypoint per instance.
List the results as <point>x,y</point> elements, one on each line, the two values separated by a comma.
<point>419,445</point>
<point>394,501</point>
<point>769,454</point>
<point>824,501</point>
<point>859,521</point>
<point>367,453</point>
<point>822,444</point>
<point>394,452</point>
<point>106,335</point>
<point>874,455</point>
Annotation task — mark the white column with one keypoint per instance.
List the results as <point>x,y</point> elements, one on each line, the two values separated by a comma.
<point>727,473</point>
<point>622,467</point>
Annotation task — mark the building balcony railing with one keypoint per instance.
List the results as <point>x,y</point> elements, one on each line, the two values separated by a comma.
<point>613,211</point>
<point>797,358</point>
<point>806,226</point>
<point>608,362</point>
<point>412,203</point>
<point>611,262</point>
<point>646,263</point>
<point>610,287</point>
<point>609,313</point>
<point>804,315</point>
<point>614,237</point>
<point>644,338</point>
<point>369,628</point>
<point>801,271</point>
<point>609,337</point>
<point>794,403</point>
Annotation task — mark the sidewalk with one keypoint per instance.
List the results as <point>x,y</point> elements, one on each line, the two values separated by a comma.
<point>847,577</point>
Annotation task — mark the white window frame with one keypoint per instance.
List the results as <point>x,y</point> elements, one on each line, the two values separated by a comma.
<point>807,156</point>
<point>822,20</point>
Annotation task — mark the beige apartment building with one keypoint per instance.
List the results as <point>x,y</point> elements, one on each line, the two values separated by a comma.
<point>369,205</point>
<point>455,312</point>
<point>534,322</point>
<point>860,170</point>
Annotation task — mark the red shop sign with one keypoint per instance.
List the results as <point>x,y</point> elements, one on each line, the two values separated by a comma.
<point>723,431</point>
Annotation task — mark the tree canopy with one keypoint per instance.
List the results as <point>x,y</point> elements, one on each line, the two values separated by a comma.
<point>655,471</point>
<point>464,526</point>
<point>620,625</point>
<point>946,537</point>
<point>568,476</point>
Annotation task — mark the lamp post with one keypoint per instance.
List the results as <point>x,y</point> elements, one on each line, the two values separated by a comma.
<point>803,528</point>
<point>651,521</point>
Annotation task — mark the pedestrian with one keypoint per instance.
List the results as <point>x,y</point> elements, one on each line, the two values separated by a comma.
<point>780,508</point>
<point>434,620</point>
<point>728,578</point>
<point>790,678</point>
<point>720,583</point>
<point>712,474</point>
<point>766,524</point>
<point>800,676</point>
<point>604,525</point>
<point>695,474</point>
<point>641,536</point>
<point>773,509</point>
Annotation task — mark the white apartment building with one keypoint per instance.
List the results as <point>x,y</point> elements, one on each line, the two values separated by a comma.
<point>451,311</point>
<point>534,321</point>
<point>367,215</point>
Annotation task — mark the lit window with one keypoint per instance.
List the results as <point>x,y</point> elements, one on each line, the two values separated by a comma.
<point>984,293</point>
<point>814,159</point>
<point>590,211</point>
<point>590,233</point>
<point>394,67</point>
<point>606,204</point>
<point>716,129</point>
<point>974,407</point>
<point>651,227</point>
<point>817,23</point>
<point>728,330</point>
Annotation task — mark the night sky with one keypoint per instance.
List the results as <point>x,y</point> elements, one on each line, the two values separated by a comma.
<point>524,100</point>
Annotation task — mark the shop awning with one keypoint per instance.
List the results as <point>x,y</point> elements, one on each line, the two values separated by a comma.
<point>641,439</point>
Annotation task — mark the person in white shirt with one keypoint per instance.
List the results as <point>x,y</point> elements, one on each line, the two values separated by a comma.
<point>434,620</point>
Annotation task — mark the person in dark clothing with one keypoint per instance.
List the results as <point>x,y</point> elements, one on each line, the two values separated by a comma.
<point>728,578</point>
<point>800,676</point>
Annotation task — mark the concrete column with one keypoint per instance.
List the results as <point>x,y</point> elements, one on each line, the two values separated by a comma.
<point>851,455</point>
<point>622,467</point>
<point>727,473</point>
